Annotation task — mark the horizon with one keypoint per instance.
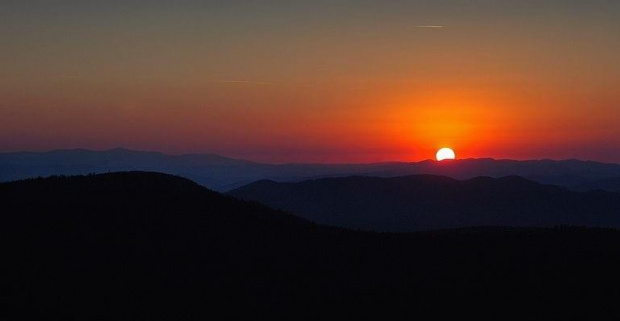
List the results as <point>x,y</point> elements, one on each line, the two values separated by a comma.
<point>458,159</point>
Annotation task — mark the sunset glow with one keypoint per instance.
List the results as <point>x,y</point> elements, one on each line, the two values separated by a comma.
<point>300,81</point>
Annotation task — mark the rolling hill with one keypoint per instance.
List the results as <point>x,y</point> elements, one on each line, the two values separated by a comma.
<point>148,246</point>
<point>425,202</point>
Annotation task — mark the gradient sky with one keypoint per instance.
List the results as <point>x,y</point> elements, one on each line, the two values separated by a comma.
<point>313,81</point>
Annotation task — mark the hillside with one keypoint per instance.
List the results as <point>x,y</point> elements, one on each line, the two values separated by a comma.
<point>129,246</point>
<point>425,202</point>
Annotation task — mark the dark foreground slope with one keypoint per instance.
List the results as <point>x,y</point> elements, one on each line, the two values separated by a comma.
<point>133,246</point>
<point>426,202</point>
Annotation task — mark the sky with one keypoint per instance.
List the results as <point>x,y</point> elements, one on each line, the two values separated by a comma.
<point>313,81</point>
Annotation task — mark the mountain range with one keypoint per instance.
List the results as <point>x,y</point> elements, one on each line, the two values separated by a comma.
<point>149,246</point>
<point>223,174</point>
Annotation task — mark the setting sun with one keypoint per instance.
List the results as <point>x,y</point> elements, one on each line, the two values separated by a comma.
<point>445,153</point>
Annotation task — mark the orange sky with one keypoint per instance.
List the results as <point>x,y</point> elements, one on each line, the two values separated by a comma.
<point>300,82</point>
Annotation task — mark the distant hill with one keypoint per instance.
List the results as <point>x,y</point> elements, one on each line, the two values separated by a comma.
<point>426,202</point>
<point>208,169</point>
<point>147,246</point>
<point>224,174</point>
<point>567,173</point>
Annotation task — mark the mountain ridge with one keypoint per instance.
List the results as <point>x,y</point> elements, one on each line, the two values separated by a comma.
<point>223,174</point>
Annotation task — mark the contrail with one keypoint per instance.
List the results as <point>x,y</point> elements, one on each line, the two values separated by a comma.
<point>430,26</point>
<point>243,82</point>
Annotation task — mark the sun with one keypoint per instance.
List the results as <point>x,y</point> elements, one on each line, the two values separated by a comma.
<point>445,153</point>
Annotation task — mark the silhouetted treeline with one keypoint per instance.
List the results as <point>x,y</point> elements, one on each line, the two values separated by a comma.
<point>147,246</point>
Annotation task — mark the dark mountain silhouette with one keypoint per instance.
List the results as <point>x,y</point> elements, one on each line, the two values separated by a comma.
<point>223,174</point>
<point>147,246</point>
<point>426,202</point>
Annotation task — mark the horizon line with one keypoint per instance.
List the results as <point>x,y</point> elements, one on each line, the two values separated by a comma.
<point>296,163</point>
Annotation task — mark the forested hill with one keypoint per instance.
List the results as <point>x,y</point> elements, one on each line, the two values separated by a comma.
<point>131,246</point>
